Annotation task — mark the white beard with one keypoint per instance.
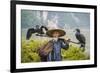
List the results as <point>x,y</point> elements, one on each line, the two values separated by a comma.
<point>55,39</point>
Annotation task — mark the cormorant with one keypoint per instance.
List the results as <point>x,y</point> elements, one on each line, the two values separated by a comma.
<point>81,38</point>
<point>39,30</point>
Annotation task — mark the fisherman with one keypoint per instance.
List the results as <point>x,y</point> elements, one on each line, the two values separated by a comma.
<point>54,46</point>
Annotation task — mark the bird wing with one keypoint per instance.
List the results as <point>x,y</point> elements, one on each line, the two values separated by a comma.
<point>44,29</point>
<point>81,38</point>
<point>29,33</point>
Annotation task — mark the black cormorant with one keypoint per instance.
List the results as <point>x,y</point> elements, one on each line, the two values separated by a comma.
<point>81,38</point>
<point>38,30</point>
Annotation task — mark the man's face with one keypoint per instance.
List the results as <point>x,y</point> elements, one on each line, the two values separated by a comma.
<point>56,34</point>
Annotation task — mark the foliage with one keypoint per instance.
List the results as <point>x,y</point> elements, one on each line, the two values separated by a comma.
<point>73,53</point>
<point>29,52</point>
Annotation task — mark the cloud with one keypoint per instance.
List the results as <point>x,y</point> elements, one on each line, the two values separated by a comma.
<point>52,24</point>
<point>77,20</point>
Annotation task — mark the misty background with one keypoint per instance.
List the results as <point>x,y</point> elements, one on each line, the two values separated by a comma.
<point>67,21</point>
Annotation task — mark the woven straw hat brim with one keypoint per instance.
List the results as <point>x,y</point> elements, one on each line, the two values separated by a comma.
<point>50,32</point>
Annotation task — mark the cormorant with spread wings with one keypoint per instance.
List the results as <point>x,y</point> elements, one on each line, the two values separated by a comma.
<point>39,30</point>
